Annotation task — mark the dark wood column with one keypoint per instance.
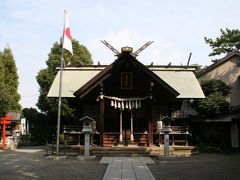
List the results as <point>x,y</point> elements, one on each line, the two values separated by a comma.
<point>101,120</point>
<point>150,120</point>
<point>150,123</point>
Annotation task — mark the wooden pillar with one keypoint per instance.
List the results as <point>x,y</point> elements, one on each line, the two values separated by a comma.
<point>120,136</point>
<point>79,139</point>
<point>150,121</point>
<point>132,138</point>
<point>150,124</point>
<point>186,136</point>
<point>101,120</point>
<point>173,140</point>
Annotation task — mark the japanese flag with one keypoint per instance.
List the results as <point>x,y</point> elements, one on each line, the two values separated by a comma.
<point>67,38</point>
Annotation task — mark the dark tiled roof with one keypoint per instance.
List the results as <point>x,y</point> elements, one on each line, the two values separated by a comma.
<point>218,63</point>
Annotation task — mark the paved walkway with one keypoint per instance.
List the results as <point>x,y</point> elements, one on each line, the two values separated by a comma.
<point>127,168</point>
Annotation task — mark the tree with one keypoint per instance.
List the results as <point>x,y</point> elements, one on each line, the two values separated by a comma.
<point>215,102</point>
<point>228,41</point>
<point>37,125</point>
<point>3,94</point>
<point>45,77</point>
<point>8,82</point>
<point>199,68</point>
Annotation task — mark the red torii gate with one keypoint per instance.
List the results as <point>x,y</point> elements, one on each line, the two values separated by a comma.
<point>4,122</point>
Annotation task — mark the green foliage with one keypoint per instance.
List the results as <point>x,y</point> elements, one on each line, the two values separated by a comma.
<point>37,126</point>
<point>228,41</point>
<point>213,86</point>
<point>45,77</point>
<point>9,97</point>
<point>61,138</point>
<point>215,102</point>
<point>206,148</point>
<point>199,68</point>
<point>3,94</point>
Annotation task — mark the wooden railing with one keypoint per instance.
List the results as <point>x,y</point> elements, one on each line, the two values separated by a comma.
<point>179,130</point>
<point>112,139</point>
<point>178,136</point>
<point>72,129</point>
<point>73,135</point>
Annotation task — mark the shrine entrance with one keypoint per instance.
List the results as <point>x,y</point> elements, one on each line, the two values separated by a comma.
<point>126,125</point>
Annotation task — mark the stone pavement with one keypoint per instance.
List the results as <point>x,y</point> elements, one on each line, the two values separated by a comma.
<point>127,168</point>
<point>30,163</point>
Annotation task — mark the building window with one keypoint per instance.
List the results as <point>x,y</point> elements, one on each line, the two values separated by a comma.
<point>238,61</point>
<point>126,80</point>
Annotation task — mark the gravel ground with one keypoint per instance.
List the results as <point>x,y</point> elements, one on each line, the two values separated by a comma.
<point>31,164</point>
<point>197,167</point>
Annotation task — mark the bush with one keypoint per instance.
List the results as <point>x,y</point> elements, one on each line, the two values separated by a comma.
<point>61,139</point>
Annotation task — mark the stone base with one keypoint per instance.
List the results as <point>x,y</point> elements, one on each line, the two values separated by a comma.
<point>56,157</point>
<point>173,151</point>
<point>82,158</point>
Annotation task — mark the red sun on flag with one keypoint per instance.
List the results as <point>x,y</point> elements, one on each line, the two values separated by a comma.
<point>68,34</point>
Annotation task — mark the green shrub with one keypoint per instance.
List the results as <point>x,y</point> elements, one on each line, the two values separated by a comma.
<point>61,138</point>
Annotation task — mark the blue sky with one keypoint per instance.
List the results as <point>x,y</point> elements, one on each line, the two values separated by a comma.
<point>177,28</point>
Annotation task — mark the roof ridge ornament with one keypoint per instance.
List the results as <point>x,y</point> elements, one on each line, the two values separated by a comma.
<point>126,48</point>
<point>110,47</point>
<point>143,47</point>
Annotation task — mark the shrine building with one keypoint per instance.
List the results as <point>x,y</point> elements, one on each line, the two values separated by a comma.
<point>127,98</point>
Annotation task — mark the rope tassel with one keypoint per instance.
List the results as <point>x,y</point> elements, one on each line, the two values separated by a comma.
<point>133,104</point>
<point>119,105</point>
<point>124,103</point>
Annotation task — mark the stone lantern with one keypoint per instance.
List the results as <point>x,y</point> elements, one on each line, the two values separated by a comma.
<point>166,130</point>
<point>87,129</point>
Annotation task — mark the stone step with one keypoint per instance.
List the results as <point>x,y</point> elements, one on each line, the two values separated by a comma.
<point>121,153</point>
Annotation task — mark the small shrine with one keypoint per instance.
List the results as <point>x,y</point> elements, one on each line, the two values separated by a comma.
<point>4,122</point>
<point>127,98</point>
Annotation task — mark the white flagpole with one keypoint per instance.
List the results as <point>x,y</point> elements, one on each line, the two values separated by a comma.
<point>60,92</point>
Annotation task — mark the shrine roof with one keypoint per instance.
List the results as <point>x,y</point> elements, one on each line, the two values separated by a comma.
<point>16,116</point>
<point>180,78</point>
<point>184,82</point>
<point>73,79</point>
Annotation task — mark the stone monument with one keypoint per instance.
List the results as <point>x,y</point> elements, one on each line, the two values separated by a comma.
<point>87,130</point>
<point>166,130</point>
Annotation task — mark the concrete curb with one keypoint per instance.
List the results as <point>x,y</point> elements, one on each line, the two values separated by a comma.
<point>56,157</point>
<point>82,158</point>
